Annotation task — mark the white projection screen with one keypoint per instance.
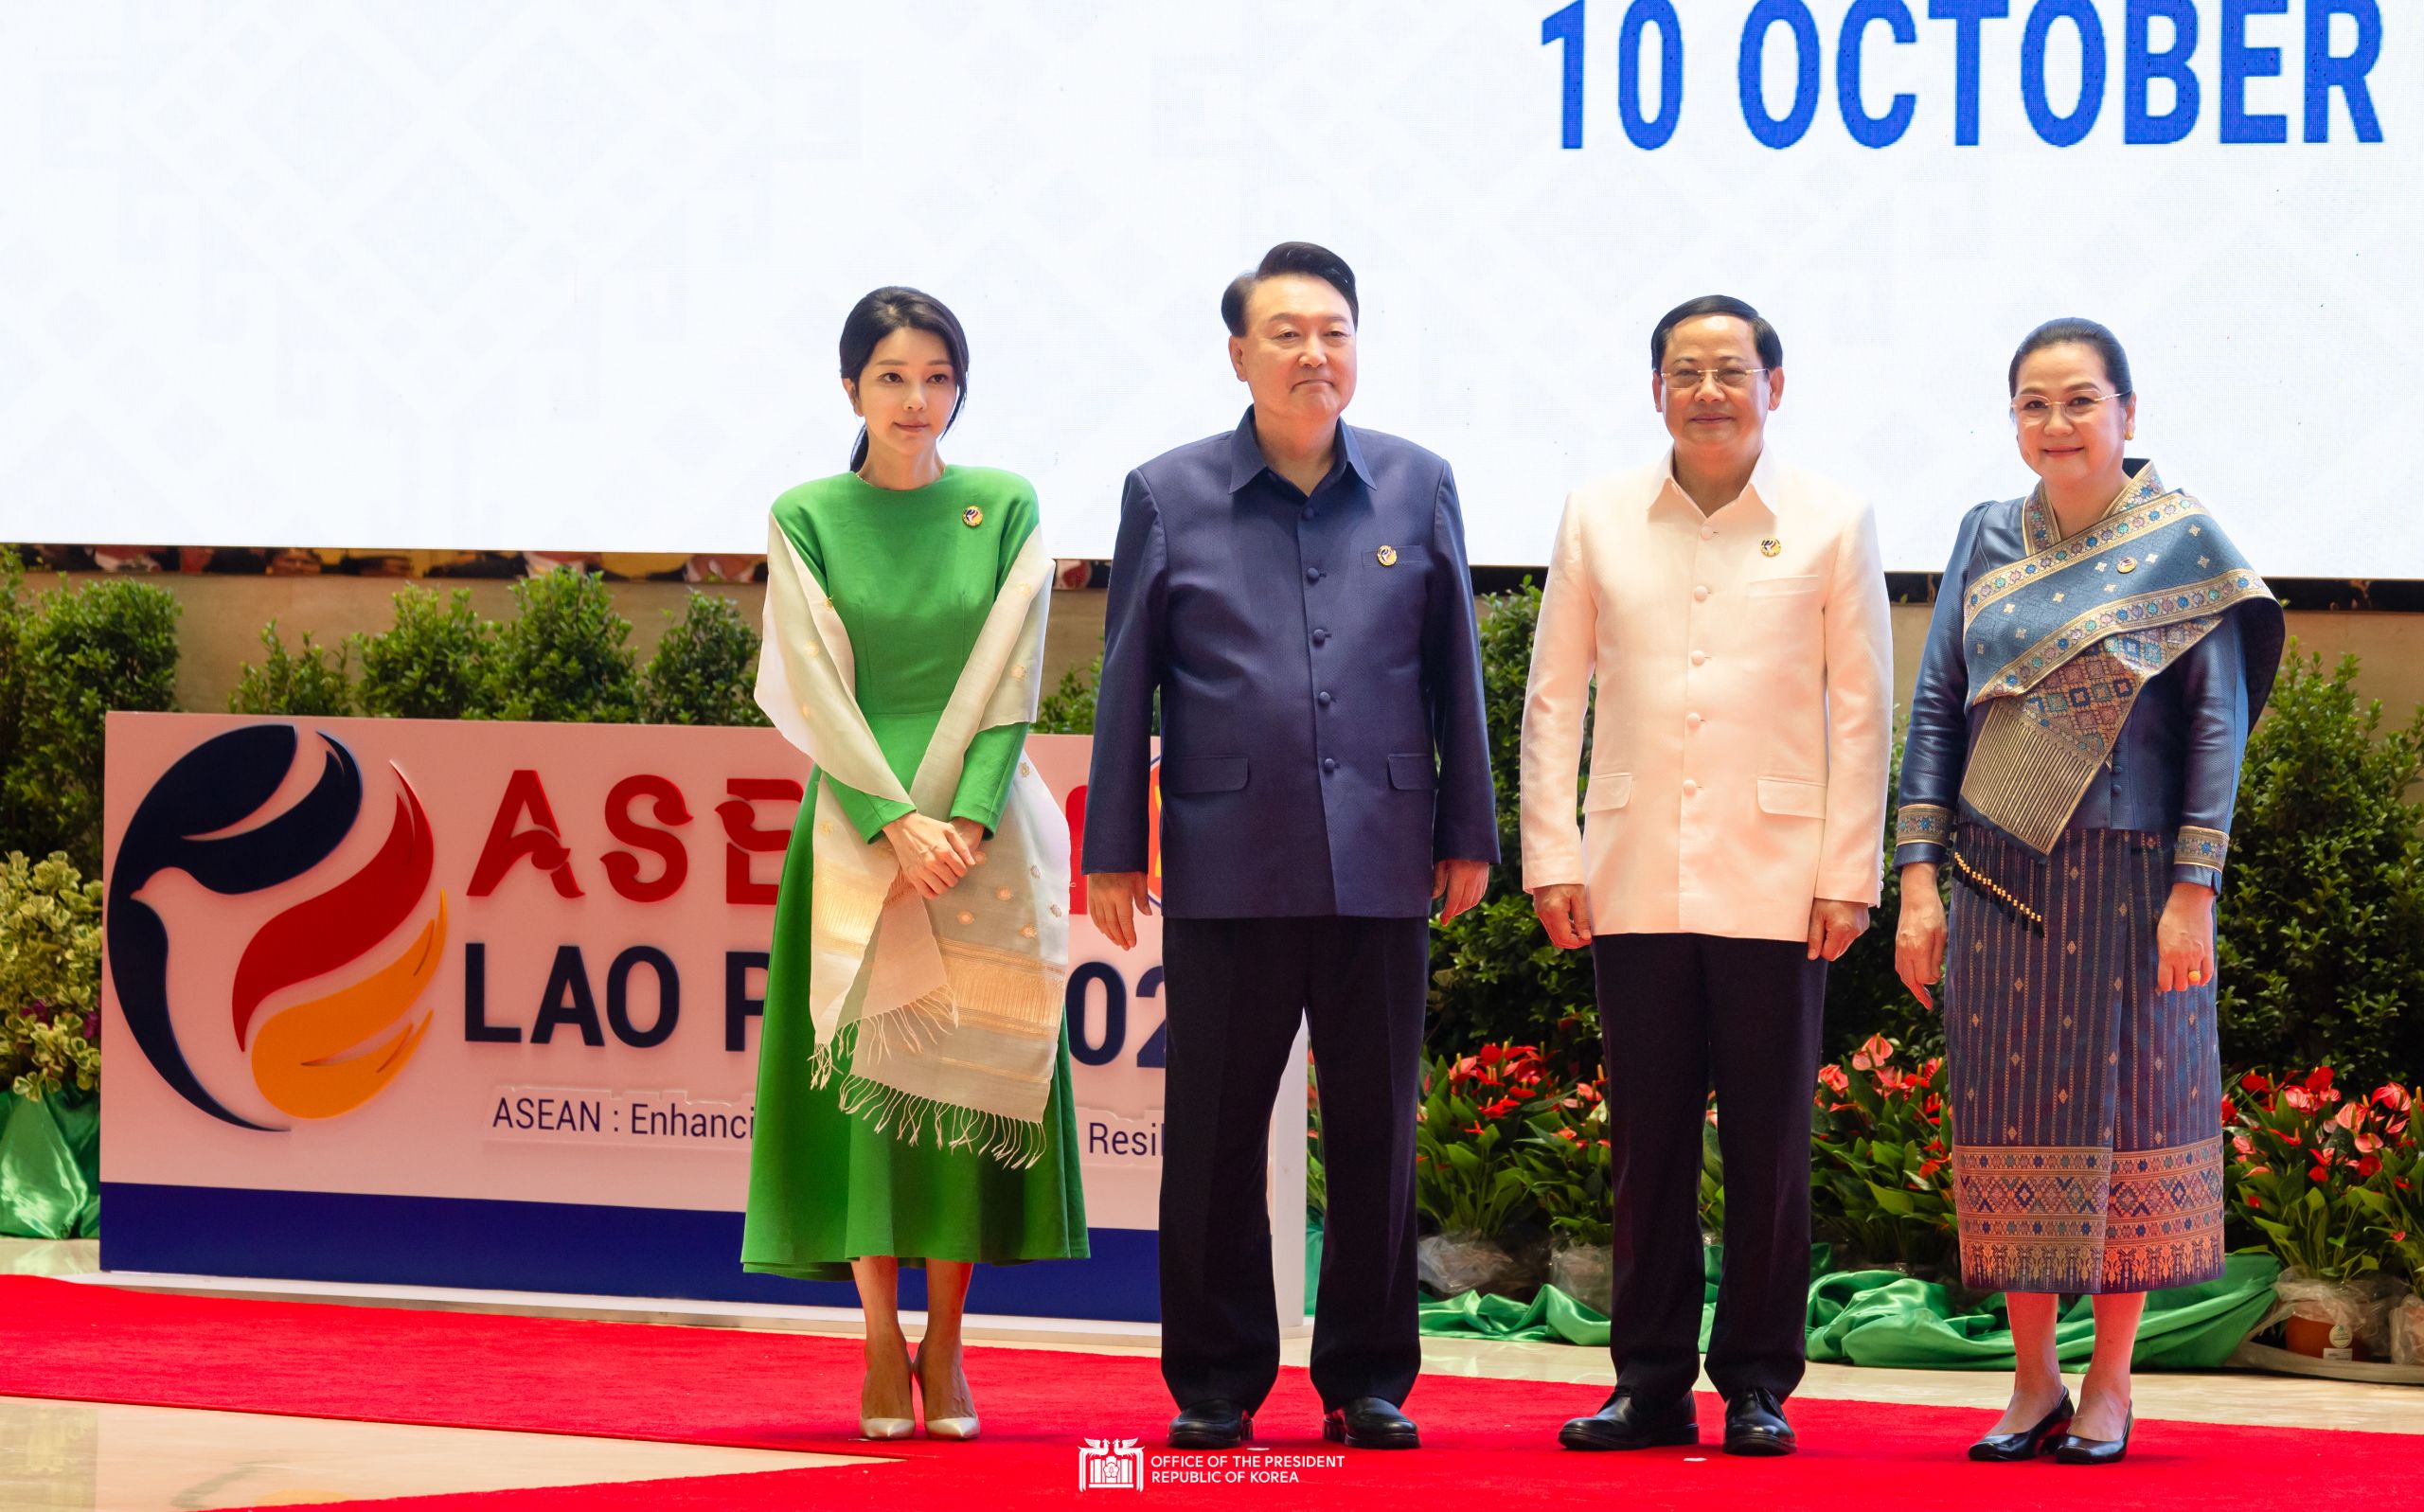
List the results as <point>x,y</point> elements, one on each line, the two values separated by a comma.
<point>568,274</point>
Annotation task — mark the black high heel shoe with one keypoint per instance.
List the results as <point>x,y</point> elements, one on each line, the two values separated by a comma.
<point>2073,1449</point>
<point>2028,1443</point>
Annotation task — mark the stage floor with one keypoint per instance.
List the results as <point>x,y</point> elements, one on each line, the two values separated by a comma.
<point>57,1455</point>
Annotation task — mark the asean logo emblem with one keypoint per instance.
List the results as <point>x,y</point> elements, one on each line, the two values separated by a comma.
<point>331,1053</point>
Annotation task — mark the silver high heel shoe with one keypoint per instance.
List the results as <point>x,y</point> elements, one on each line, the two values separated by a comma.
<point>890,1428</point>
<point>952,1428</point>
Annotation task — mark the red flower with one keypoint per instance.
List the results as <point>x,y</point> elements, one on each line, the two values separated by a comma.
<point>2318,1174</point>
<point>2368,1166</point>
<point>1933,1106</point>
<point>2243,1145</point>
<point>2392,1096</point>
<point>2319,1079</point>
<point>1834,1078</point>
<point>1567,1134</point>
<point>1473,1130</point>
<point>1929,1167</point>
<point>2230,1112</point>
<point>1491,1055</point>
<point>2253,1081</point>
<point>1502,1108</point>
<point>2254,1201</point>
<point>2298,1099</point>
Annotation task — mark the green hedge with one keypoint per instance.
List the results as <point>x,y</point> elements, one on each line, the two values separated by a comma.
<point>68,658</point>
<point>565,656</point>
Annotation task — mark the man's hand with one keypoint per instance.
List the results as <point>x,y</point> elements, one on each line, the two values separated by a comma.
<point>1461,882</point>
<point>1833,926</point>
<point>2184,939</point>
<point>1918,933</point>
<point>1565,913</point>
<point>1114,899</point>
<point>933,855</point>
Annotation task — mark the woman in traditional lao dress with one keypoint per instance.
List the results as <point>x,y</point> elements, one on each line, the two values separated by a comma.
<point>2097,655</point>
<point>913,1079</point>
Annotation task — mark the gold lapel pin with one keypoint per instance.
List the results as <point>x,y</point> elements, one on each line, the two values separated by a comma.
<point>972,517</point>
<point>2129,565</point>
<point>1388,556</point>
<point>1770,546</point>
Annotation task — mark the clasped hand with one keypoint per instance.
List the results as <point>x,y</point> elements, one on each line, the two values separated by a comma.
<point>933,855</point>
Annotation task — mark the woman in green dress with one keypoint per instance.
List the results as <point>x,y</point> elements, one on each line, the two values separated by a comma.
<point>913,1079</point>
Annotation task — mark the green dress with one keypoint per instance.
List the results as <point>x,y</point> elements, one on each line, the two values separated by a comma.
<point>913,580</point>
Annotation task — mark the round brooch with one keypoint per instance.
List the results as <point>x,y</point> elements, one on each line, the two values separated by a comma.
<point>1387,556</point>
<point>1770,546</point>
<point>972,517</point>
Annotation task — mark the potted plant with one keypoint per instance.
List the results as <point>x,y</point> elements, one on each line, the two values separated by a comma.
<point>1473,1197</point>
<point>2297,1176</point>
<point>1565,1159</point>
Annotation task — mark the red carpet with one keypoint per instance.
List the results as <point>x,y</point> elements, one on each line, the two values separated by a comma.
<point>1490,1442</point>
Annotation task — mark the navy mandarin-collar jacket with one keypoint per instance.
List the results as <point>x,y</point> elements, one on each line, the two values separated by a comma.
<point>1319,677</point>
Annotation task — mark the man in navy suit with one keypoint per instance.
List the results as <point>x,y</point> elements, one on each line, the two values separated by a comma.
<point>1295,592</point>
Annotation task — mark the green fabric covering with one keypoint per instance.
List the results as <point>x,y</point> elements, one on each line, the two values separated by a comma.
<point>1884,1318</point>
<point>50,1169</point>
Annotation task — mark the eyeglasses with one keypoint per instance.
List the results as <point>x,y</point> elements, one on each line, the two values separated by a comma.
<point>2035,411</point>
<point>1688,380</point>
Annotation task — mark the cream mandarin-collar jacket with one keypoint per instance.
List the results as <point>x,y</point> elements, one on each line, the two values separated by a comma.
<point>1743,719</point>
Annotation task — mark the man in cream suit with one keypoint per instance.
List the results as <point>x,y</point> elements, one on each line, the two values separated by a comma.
<point>1733,611</point>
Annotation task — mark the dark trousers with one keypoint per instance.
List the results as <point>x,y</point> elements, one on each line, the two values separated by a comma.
<point>1236,988</point>
<point>1677,1014</point>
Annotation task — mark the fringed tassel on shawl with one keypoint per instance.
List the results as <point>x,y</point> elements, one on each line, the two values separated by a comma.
<point>1014,1141</point>
<point>906,1030</point>
<point>1993,892</point>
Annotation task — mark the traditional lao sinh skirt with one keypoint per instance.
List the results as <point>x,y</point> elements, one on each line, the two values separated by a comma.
<point>2087,1145</point>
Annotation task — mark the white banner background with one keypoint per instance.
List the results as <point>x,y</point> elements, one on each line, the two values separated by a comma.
<point>569,276</point>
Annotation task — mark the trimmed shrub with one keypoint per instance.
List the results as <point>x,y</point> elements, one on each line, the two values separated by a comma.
<point>2321,915</point>
<point>306,683</point>
<point>68,661</point>
<point>565,656</point>
<point>1495,976</point>
<point>704,669</point>
<point>1069,710</point>
<point>432,664</point>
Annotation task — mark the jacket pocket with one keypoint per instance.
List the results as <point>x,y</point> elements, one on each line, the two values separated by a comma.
<point>1221,774</point>
<point>1608,789</point>
<point>1413,772</point>
<point>1784,795</point>
<point>1778,587</point>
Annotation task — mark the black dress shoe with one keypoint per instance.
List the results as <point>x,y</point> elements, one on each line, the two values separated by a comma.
<point>1370,1422</point>
<point>1624,1421</point>
<point>2028,1443</point>
<point>1216,1424</point>
<point>2073,1449</point>
<point>1754,1424</point>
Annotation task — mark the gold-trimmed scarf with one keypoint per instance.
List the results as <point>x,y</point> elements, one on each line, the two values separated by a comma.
<point>942,1015</point>
<point>2060,642</point>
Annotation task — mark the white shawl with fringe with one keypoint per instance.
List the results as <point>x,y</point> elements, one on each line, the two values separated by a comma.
<point>943,1014</point>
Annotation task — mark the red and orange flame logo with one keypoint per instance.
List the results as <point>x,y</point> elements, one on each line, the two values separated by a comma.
<point>334,1052</point>
<point>317,1058</point>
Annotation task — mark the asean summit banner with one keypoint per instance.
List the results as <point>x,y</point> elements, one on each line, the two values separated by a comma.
<point>477,1004</point>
